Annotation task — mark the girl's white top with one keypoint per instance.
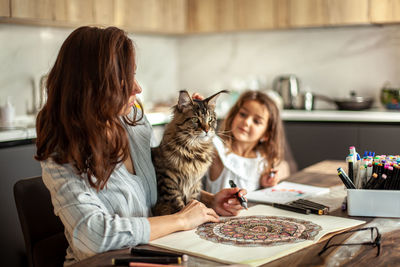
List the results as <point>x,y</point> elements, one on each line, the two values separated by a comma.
<point>245,172</point>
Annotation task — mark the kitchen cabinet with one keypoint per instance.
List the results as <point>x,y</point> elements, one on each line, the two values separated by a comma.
<point>37,9</point>
<point>64,12</point>
<point>311,142</point>
<point>230,15</point>
<point>200,16</point>
<point>313,13</point>
<point>162,16</point>
<point>257,14</point>
<point>4,8</point>
<point>384,11</point>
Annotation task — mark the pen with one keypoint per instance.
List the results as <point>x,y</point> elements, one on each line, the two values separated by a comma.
<point>126,261</point>
<point>241,199</point>
<point>149,252</point>
<point>291,208</point>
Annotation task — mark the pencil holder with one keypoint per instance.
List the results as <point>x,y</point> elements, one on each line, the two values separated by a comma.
<point>373,203</point>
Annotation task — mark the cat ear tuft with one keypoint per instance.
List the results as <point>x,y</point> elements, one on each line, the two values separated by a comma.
<point>212,100</point>
<point>184,100</point>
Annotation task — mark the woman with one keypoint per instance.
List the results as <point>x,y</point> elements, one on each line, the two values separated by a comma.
<point>94,146</point>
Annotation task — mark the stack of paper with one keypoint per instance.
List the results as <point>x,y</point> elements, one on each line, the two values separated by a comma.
<point>285,192</point>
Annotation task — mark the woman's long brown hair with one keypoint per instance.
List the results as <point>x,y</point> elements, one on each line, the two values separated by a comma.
<point>88,86</point>
<point>272,149</point>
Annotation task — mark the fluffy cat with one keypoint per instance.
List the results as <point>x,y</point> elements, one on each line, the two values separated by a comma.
<point>185,152</point>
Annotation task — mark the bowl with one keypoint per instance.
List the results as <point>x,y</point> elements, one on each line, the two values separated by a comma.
<point>390,98</point>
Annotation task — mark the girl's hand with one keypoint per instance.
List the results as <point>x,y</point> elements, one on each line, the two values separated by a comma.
<point>225,202</point>
<point>197,96</point>
<point>196,213</point>
<point>268,180</point>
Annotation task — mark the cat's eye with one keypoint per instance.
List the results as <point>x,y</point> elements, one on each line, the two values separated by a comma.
<point>195,120</point>
<point>210,119</point>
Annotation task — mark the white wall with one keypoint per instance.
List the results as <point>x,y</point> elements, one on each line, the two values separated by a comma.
<point>27,52</point>
<point>329,61</point>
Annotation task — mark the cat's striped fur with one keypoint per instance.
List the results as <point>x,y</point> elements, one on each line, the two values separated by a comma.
<point>185,153</point>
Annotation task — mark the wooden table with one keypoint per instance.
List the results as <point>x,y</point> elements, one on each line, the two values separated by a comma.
<point>321,174</point>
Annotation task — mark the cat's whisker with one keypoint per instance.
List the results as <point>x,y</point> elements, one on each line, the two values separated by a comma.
<point>223,135</point>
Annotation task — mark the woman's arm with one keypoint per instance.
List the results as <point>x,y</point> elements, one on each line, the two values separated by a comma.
<point>191,216</point>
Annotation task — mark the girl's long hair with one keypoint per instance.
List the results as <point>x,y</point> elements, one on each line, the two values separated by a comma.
<point>88,86</point>
<point>271,149</point>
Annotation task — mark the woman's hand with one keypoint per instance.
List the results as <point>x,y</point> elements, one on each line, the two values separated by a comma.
<point>196,213</point>
<point>225,202</point>
<point>269,179</point>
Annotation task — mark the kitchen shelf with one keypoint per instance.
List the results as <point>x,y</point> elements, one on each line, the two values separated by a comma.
<point>160,118</point>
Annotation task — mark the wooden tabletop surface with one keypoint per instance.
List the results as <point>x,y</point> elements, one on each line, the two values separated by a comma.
<point>321,174</point>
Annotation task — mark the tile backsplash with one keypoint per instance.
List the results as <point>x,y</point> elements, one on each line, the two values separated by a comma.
<point>28,52</point>
<point>329,61</point>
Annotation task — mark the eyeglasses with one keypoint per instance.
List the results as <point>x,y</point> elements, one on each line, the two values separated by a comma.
<point>374,242</point>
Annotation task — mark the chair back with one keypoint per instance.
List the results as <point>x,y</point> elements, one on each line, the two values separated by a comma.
<point>43,231</point>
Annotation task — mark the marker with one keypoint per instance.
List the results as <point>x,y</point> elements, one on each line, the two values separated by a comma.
<point>164,260</point>
<point>313,206</point>
<point>148,252</point>
<point>241,199</point>
<point>380,181</point>
<point>350,167</point>
<point>345,179</point>
<point>312,209</point>
<point>144,264</point>
<point>272,173</point>
<point>291,208</point>
<point>371,182</point>
<point>344,204</point>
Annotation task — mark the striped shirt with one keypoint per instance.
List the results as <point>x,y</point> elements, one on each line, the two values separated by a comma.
<point>113,218</point>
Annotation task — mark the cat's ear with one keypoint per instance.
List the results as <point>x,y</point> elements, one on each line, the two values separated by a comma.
<point>212,100</point>
<point>184,100</point>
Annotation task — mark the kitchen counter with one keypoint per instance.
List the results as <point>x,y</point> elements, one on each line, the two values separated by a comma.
<point>373,115</point>
<point>24,127</point>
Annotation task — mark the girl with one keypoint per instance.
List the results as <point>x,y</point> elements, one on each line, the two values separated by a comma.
<point>94,148</point>
<point>250,146</point>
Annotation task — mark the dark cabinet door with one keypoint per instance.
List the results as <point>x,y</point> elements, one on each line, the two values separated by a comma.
<point>16,163</point>
<point>312,142</point>
<point>382,139</point>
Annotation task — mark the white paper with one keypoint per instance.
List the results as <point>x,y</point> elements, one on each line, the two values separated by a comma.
<point>190,243</point>
<point>285,192</point>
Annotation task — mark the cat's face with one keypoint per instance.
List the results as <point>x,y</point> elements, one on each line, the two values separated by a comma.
<point>196,118</point>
